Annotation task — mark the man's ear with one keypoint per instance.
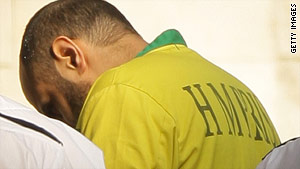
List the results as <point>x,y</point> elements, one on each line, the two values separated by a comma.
<point>68,55</point>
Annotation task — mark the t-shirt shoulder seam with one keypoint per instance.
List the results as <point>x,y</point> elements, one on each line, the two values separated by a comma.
<point>147,94</point>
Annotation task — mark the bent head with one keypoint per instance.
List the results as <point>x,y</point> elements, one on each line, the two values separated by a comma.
<point>57,58</point>
<point>53,95</point>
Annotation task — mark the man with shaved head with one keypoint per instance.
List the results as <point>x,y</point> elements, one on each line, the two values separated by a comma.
<point>67,35</point>
<point>156,105</point>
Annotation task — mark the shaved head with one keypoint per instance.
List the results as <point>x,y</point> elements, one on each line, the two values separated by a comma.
<point>95,21</point>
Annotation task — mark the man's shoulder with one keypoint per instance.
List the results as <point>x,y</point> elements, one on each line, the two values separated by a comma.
<point>21,130</point>
<point>8,104</point>
<point>39,134</point>
<point>155,65</point>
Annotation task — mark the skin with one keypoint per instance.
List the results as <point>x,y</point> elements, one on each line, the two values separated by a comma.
<point>79,64</point>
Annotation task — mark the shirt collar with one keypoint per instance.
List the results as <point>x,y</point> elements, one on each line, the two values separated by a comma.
<point>170,36</point>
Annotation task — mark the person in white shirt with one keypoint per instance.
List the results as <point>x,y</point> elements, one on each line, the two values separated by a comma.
<point>31,140</point>
<point>286,155</point>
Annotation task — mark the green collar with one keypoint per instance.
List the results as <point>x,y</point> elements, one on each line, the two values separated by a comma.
<point>171,36</point>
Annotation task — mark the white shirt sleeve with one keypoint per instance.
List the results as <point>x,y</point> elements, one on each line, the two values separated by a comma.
<point>20,148</point>
<point>29,147</point>
<point>286,156</point>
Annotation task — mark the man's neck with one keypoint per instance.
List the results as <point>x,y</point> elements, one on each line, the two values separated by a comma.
<point>122,51</point>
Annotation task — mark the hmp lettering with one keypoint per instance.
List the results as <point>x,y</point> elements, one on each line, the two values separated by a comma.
<point>239,107</point>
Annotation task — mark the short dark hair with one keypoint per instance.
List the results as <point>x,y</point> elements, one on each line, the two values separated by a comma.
<point>96,21</point>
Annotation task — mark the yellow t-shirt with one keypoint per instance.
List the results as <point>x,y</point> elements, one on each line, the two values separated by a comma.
<point>170,108</point>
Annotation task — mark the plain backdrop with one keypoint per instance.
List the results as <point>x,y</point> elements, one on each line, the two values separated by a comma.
<point>248,38</point>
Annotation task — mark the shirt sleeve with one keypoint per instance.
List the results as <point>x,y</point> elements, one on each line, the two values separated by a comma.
<point>20,149</point>
<point>132,129</point>
<point>285,155</point>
